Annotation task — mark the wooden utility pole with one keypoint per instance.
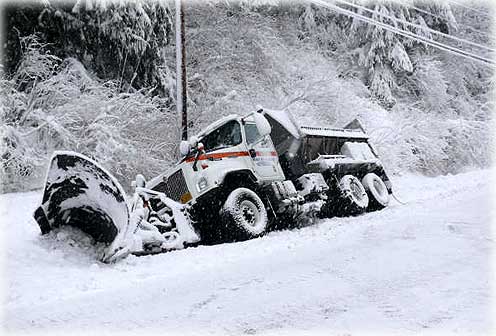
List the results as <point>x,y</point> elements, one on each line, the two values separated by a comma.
<point>181,93</point>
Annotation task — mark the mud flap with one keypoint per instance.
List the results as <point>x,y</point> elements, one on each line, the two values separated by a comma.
<point>80,193</point>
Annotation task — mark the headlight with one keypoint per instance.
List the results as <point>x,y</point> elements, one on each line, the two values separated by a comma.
<point>202,184</point>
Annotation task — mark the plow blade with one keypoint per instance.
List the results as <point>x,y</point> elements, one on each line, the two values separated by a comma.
<point>80,193</point>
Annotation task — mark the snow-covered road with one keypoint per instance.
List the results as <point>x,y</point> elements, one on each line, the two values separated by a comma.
<point>423,267</point>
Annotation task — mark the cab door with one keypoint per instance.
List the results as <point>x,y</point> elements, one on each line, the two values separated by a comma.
<point>263,154</point>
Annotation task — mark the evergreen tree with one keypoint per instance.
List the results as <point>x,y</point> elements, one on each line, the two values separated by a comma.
<point>380,56</point>
<point>122,40</point>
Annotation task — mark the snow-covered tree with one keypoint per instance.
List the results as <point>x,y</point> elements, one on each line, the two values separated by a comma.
<point>121,40</point>
<point>380,55</point>
<point>63,106</point>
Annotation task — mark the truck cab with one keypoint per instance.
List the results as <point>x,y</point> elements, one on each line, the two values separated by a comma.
<point>229,150</point>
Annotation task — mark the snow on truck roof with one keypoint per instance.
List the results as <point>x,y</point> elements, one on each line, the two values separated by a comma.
<point>217,123</point>
<point>289,123</point>
<point>286,120</point>
<point>333,132</point>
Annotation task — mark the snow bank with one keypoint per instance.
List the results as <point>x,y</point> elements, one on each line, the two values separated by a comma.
<point>423,267</point>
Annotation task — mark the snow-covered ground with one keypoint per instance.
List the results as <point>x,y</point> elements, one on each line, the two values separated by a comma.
<point>423,267</point>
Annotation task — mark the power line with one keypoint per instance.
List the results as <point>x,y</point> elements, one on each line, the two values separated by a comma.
<point>442,18</point>
<point>427,12</point>
<point>405,33</point>
<point>417,26</point>
<point>469,8</point>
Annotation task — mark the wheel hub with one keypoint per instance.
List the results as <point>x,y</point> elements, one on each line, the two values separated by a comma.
<point>249,213</point>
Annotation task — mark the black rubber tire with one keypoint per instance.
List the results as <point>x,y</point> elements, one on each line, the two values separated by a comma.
<point>243,216</point>
<point>377,191</point>
<point>353,199</point>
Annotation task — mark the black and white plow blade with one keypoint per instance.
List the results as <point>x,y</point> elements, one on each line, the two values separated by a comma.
<point>80,193</point>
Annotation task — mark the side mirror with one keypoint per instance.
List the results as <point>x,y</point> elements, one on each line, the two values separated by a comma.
<point>139,181</point>
<point>184,147</point>
<point>193,141</point>
<point>262,124</point>
<point>199,151</point>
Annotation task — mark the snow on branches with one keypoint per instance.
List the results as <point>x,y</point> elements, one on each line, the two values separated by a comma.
<point>65,107</point>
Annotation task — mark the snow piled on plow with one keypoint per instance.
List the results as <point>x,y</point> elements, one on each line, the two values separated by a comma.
<point>62,239</point>
<point>423,267</point>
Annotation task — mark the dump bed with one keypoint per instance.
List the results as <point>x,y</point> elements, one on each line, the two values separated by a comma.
<point>302,149</point>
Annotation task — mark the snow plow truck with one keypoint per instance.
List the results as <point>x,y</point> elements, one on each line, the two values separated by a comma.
<point>237,179</point>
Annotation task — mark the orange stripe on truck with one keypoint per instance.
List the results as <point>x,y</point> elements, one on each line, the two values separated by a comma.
<point>267,153</point>
<point>218,156</point>
<point>228,155</point>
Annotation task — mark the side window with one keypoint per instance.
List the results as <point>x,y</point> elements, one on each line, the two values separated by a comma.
<point>252,133</point>
<point>227,135</point>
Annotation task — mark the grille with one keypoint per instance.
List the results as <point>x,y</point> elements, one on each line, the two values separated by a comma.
<point>174,187</point>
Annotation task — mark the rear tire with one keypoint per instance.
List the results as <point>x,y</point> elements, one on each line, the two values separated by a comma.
<point>376,190</point>
<point>353,199</point>
<point>243,216</point>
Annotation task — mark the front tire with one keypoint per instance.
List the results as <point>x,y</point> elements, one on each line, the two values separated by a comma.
<point>243,215</point>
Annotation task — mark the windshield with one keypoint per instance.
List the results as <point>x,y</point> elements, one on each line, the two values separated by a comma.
<point>227,135</point>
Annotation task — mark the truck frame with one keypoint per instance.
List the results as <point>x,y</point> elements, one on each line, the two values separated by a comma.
<point>296,172</point>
